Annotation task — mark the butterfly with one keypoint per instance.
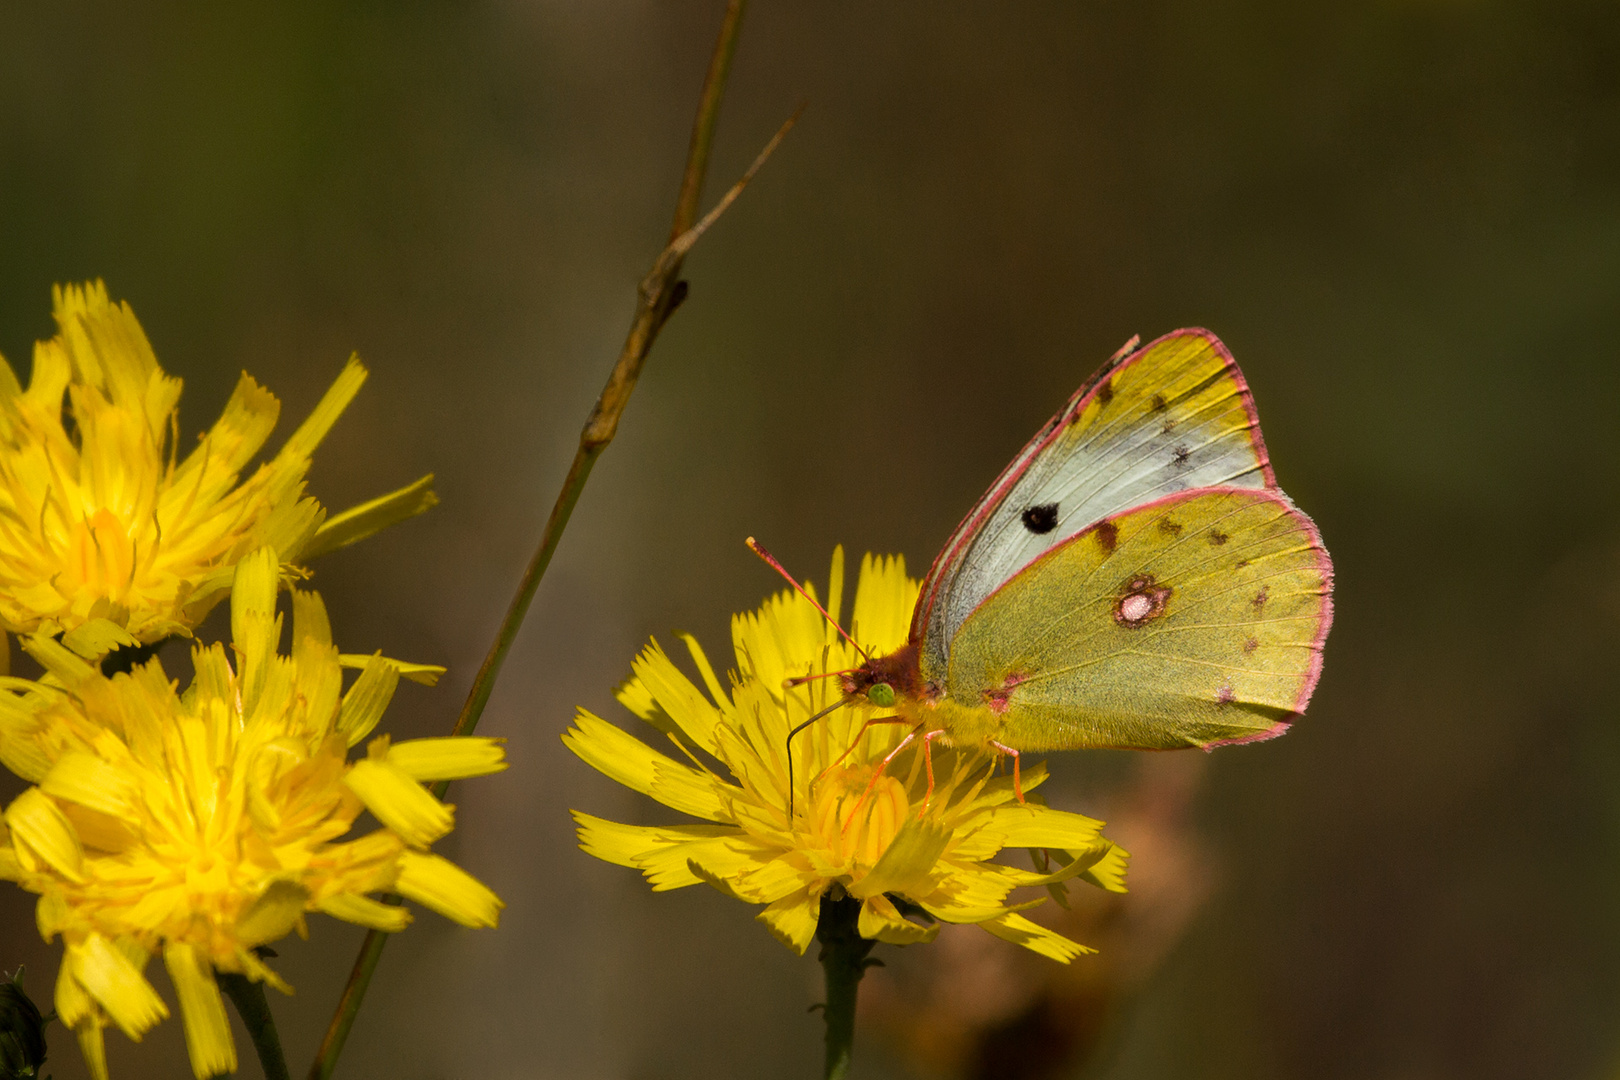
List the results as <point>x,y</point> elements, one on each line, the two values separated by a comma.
<point>1134,579</point>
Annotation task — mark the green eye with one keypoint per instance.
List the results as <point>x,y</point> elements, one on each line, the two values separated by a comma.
<point>881,694</point>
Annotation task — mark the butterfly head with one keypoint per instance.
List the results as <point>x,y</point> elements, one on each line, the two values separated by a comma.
<point>884,680</point>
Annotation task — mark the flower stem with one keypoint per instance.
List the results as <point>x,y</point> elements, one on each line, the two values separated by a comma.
<point>248,997</point>
<point>659,294</point>
<point>843,962</point>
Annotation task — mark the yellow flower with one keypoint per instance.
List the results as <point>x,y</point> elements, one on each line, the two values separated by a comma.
<point>103,534</point>
<point>847,828</point>
<point>199,826</point>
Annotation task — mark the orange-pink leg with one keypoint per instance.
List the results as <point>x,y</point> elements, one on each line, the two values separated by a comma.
<point>928,761</point>
<point>856,741</point>
<point>884,764</point>
<point>1018,780</point>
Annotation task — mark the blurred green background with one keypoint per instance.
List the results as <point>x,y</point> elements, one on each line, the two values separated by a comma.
<point>1403,216</point>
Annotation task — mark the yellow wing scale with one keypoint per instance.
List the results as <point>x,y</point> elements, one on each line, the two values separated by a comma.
<point>1195,620</point>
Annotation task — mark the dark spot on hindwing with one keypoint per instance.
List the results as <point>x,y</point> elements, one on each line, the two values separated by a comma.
<point>1225,695</point>
<point>1159,404</point>
<point>1040,519</point>
<point>1141,601</point>
<point>1261,597</point>
<point>1179,458</point>
<point>1107,536</point>
<point>1169,528</point>
<point>1105,392</point>
<point>1251,645</point>
<point>1217,538</point>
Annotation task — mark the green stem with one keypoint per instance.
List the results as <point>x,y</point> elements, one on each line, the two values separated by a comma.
<point>248,997</point>
<point>843,962</point>
<point>659,294</point>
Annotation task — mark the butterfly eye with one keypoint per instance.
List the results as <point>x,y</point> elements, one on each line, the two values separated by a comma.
<point>880,694</point>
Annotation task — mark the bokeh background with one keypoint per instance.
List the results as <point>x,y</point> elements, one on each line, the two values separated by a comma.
<point>1403,216</point>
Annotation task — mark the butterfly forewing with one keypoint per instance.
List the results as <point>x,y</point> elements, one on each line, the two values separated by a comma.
<point>1192,621</point>
<point>1172,416</point>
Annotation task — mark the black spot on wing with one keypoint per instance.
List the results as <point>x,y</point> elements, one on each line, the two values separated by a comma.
<point>1179,458</point>
<point>1105,392</point>
<point>1040,519</point>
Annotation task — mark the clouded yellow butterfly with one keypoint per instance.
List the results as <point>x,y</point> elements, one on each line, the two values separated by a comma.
<point>1134,579</point>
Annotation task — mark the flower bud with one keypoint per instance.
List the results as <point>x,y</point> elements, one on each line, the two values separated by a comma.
<point>22,1033</point>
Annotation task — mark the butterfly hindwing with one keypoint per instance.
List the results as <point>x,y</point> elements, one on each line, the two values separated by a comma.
<point>1195,620</point>
<point>1169,417</point>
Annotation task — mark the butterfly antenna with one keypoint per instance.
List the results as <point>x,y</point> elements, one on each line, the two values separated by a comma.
<point>800,680</point>
<point>770,560</point>
<point>834,706</point>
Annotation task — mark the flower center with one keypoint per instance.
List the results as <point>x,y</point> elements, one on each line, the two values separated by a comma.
<point>100,556</point>
<point>854,819</point>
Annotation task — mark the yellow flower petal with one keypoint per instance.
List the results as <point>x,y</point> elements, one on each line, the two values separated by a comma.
<point>208,1031</point>
<point>1042,827</point>
<point>74,1006</point>
<point>905,867</point>
<point>448,889</point>
<point>677,697</point>
<point>272,916</point>
<point>90,781</point>
<point>767,883</point>
<point>882,921</point>
<point>1036,938</point>
<point>117,986</point>
<point>883,602</point>
<point>1109,871</point>
<point>359,522</point>
<point>255,627</point>
<point>666,853</point>
<point>389,918</point>
<point>633,763</point>
<point>57,659</point>
<point>793,919</point>
<point>705,670</point>
<point>98,637</point>
<point>426,674</point>
<point>303,442</point>
<point>249,418</point>
<point>455,758</point>
<point>399,802</point>
<point>40,831</point>
<point>363,705</point>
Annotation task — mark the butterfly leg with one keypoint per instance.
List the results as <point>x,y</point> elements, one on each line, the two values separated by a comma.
<point>876,775</point>
<point>928,762</point>
<point>857,739</point>
<point>1018,780</point>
